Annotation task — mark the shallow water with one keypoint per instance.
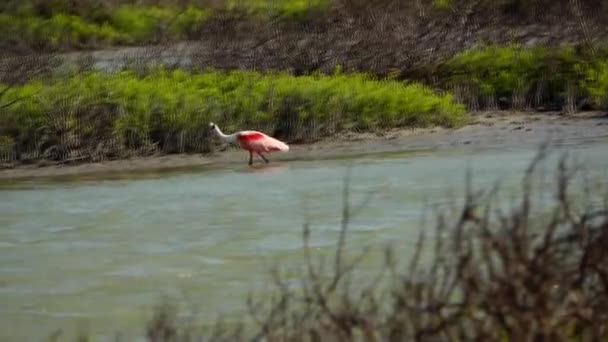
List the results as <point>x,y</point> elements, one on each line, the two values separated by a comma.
<point>102,252</point>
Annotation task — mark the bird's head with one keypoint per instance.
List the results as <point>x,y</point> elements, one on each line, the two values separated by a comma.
<point>211,125</point>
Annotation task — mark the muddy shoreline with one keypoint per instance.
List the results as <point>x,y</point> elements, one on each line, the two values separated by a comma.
<point>490,130</point>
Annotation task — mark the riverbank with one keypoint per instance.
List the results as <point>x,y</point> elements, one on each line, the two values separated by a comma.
<point>498,129</point>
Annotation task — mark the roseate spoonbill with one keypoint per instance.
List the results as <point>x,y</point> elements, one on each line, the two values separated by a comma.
<point>252,141</point>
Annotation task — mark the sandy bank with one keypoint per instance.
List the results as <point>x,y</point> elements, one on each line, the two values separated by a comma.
<point>490,130</point>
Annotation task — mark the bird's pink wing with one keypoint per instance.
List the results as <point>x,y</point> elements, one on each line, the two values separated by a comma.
<point>260,142</point>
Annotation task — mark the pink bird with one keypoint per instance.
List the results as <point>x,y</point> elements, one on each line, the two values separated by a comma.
<point>252,141</point>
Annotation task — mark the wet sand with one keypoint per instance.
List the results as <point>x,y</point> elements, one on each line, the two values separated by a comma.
<point>494,130</point>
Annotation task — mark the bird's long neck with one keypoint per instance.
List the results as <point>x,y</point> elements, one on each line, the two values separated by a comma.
<point>227,137</point>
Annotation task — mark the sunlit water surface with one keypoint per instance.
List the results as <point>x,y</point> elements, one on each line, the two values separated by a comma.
<point>99,254</point>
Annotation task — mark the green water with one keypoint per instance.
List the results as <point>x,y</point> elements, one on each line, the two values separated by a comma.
<point>99,253</point>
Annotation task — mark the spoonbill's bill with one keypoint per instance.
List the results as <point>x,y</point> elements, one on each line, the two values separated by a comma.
<point>252,141</point>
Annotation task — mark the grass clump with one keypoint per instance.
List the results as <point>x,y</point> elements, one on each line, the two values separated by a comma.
<point>96,115</point>
<point>443,4</point>
<point>152,24</point>
<point>297,10</point>
<point>125,24</point>
<point>516,77</point>
<point>64,25</point>
<point>61,30</point>
<point>596,82</point>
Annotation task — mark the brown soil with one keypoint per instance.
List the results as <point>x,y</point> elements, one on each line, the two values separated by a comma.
<point>494,130</point>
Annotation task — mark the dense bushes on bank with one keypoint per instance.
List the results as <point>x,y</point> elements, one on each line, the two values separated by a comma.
<point>515,77</point>
<point>99,115</point>
<point>92,114</point>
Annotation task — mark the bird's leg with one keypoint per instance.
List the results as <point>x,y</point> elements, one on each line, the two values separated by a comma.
<point>259,154</point>
<point>250,157</point>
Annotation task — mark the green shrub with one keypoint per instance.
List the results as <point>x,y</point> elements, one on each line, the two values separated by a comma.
<point>51,25</point>
<point>126,24</point>
<point>140,24</point>
<point>596,82</point>
<point>287,9</point>
<point>189,21</point>
<point>154,109</point>
<point>59,30</point>
<point>524,76</point>
<point>443,4</point>
<point>497,70</point>
<point>150,24</point>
